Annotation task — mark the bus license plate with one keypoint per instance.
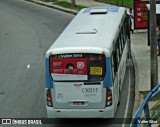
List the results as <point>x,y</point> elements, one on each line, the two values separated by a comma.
<point>78,103</point>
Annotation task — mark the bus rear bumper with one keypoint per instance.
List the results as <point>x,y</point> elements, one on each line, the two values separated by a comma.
<point>80,113</point>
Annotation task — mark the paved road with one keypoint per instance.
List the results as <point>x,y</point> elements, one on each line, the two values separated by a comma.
<point>26,32</point>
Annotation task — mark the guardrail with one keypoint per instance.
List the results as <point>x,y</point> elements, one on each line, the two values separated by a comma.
<point>143,115</point>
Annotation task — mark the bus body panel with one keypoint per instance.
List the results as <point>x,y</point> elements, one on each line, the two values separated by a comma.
<point>49,81</point>
<point>80,113</point>
<point>67,95</point>
<point>108,81</point>
<point>120,75</point>
<point>122,66</point>
<point>107,112</point>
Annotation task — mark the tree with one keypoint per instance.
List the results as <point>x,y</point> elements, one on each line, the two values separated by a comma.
<point>73,2</point>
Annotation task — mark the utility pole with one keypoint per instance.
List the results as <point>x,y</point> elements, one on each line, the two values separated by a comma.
<point>153,55</point>
<point>73,2</point>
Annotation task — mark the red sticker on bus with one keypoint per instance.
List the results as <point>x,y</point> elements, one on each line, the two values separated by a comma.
<point>76,66</point>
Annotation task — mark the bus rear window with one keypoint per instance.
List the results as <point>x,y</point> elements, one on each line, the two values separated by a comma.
<point>77,67</point>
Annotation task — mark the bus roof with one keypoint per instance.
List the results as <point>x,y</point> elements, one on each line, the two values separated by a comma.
<point>93,28</point>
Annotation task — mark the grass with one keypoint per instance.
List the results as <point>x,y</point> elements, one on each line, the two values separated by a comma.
<point>65,4</point>
<point>125,3</point>
<point>157,107</point>
<point>144,93</point>
<point>155,110</point>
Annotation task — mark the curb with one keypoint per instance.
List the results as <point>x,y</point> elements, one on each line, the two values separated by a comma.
<point>70,11</point>
<point>136,100</point>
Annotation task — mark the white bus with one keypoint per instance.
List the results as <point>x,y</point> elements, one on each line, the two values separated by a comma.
<point>85,66</point>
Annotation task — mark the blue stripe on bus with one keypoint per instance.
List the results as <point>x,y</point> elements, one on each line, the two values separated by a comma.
<point>49,81</point>
<point>108,77</point>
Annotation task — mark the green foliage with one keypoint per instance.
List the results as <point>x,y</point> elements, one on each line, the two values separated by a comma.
<point>125,3</point>
<point>144,93</point>
<point>155,110</point>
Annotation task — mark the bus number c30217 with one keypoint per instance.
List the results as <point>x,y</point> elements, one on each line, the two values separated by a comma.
<point>89,90</point>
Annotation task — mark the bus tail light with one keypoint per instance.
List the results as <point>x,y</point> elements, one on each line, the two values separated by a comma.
<point>49,98</point>
<point>108,97</point>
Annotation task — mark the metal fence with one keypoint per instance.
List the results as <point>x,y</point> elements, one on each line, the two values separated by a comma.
<point>147,116</point>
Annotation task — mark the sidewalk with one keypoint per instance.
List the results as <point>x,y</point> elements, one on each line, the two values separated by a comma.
<point>140,51</point>
<point>141,58</point>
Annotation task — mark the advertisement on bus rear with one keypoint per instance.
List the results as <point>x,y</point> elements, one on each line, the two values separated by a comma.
<point>66,68</point>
